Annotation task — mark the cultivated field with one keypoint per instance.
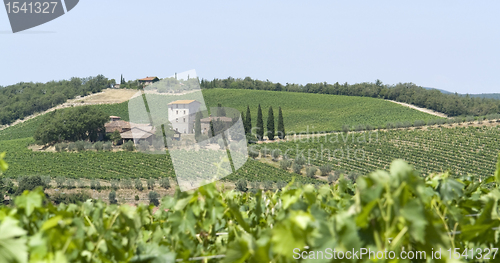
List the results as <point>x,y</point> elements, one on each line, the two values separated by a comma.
<point>462,150</point>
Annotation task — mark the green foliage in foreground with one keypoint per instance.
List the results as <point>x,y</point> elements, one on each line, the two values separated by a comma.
<point>394,211</point>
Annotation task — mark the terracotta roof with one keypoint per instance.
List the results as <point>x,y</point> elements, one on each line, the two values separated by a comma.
<point>224,119</point>
<point>149,78</point>
<point>116,126</point>
<point>182,102</point>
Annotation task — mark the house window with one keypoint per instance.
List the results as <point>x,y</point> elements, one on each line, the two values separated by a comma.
<point>176,112</point>
<point>184,112</point>
<point>184,119</point>
<point>176,119</point>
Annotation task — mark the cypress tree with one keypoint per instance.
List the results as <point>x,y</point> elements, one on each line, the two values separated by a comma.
<point>281,125</point>
<point>244,121</point>
<point>248,121</point>
<point>260,125</point>
<point>212,129</point>
<point>270,124</point>
<point>197,126</point>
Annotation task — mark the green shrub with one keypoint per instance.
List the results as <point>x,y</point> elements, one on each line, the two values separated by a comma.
<point>151,183</point>
<point>331,178</point>
<point>325,169</point>
<point>80,183</point>
<point>88,145</point>
<point>255,185</point>
<point>8,186</point>
<point>112,197</point>
<point>241,185</point>
<point>126,183</point>
<point>300,160</point>
<point>296,168</point>
<point>72,146</point>
<point>46,180</point>
<point>107,146</point>
<point>165,183</point>
<point>58,147</point>
<point>128,146</point>
<point>60,181</point>
<point>264,151</point>
<point>72,198</point>
<point>95,185</point>
<point>280,184</point>
<point>268,185</point>
<point>285,164</point>
<point>275,154</point>
<point>153,198</point>
<point>138,184</point>
<point>311,171</point>
<point>98,146</point>
<point>80,146</point>
<point>29,183</point>
<point>254,153</point>
<point>419,123</point>
<point>114,185</point>
<point>70,183</point>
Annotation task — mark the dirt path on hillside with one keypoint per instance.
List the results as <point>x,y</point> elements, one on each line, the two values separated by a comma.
<point>107,96</point>
<point>429,111</point>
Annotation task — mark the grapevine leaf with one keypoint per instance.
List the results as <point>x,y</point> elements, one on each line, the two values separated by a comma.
<point>414,213</point>
<point>12,242</point>
<point>29,201</point>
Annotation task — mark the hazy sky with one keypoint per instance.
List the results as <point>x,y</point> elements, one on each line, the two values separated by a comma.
<point>451,45</point>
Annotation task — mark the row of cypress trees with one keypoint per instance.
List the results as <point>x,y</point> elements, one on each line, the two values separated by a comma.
<point>271,132</point>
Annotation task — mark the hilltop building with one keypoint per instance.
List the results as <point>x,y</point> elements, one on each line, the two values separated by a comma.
<point>148,80</point>
<point>182,115</point>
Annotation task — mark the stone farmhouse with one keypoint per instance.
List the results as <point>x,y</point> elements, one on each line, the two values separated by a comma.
<point>127,130</point>
<point>148,80</point>
<point>182,115</point>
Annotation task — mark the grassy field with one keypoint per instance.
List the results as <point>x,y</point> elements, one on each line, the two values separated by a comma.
<point>301,112</point>
<point>113,165</point>
<point>319,112</point>
<point>463,150</point>
<point>315,112</point>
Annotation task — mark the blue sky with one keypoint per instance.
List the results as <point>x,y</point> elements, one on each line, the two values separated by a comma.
<point>451,45</point>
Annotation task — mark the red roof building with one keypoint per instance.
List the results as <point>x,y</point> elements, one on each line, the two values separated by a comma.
<point>148,80</point>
